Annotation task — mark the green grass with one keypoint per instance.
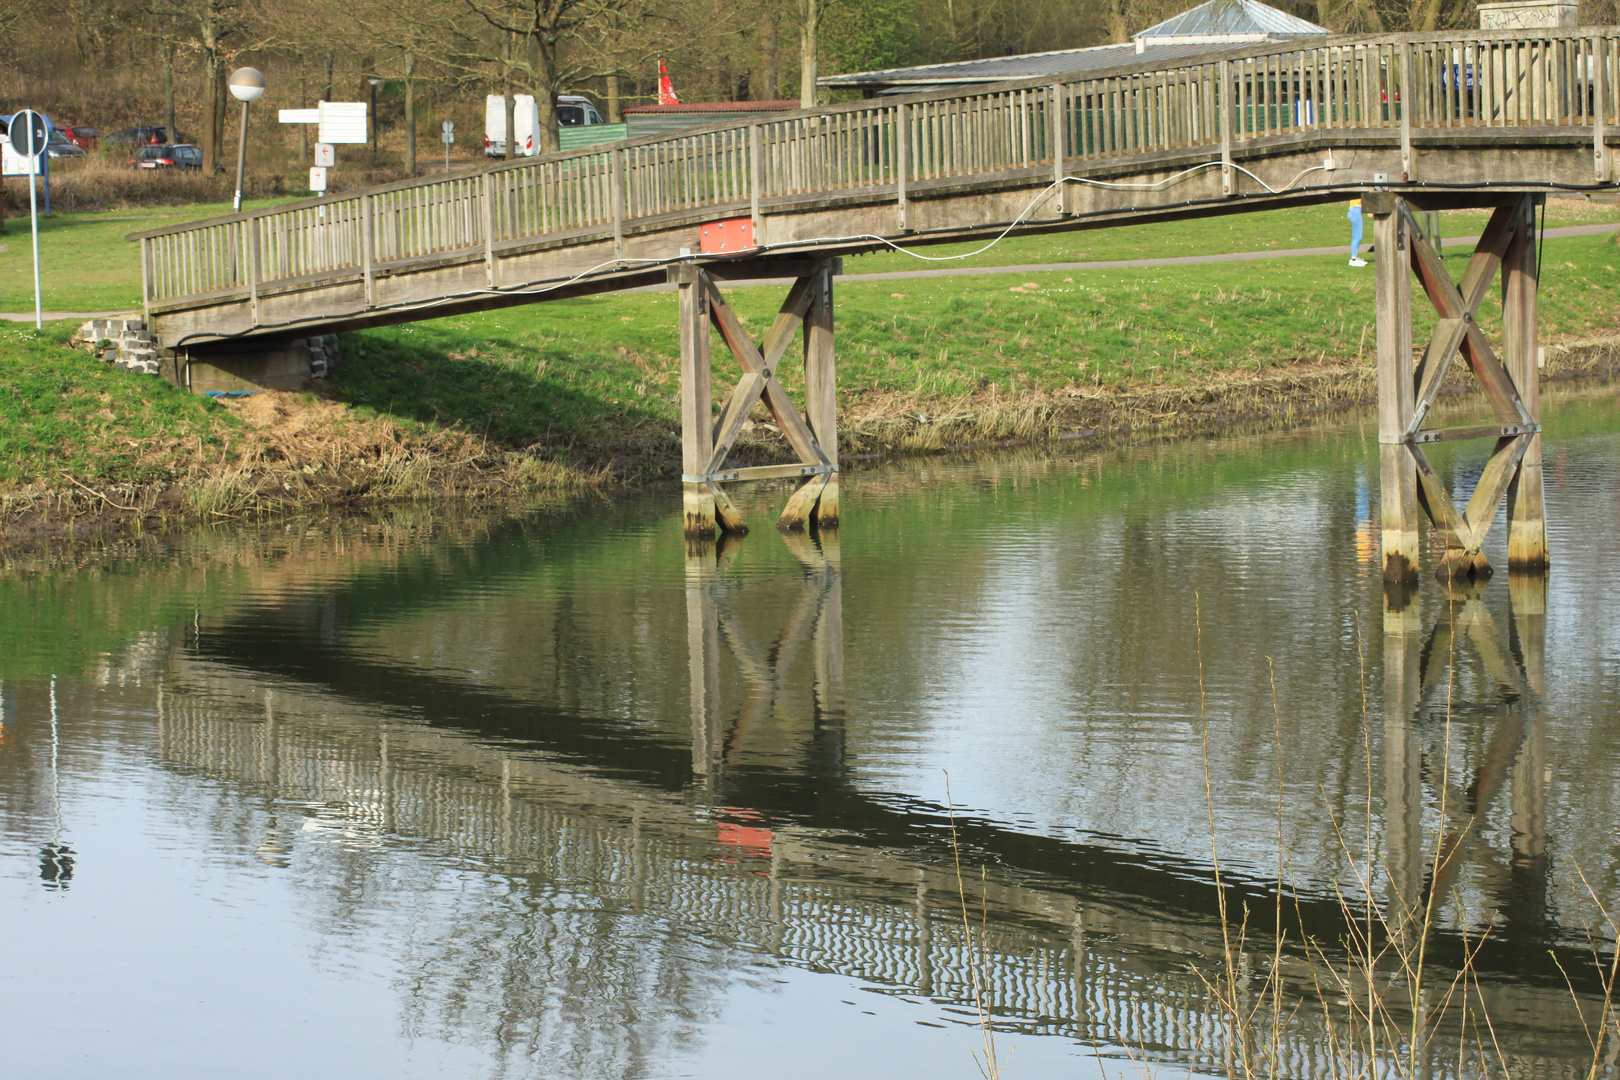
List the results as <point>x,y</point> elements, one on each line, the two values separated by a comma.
<point>85,264</point>
<point>1300,227</point>
<point>63,411</point>
<point>601,374</point>
<point>577,369</point>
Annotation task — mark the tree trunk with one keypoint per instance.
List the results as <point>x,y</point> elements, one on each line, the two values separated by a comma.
<point>221,97</point>
<point>1119,30</point>
<point>543,63</point>
<point>168,90</point>
<point>614,103</point>
<point>410,113</point>
<point>771,76</point>
<point>809,51</point>
<point>303,129</point>
<point>331,68</point>
<point>509,103</point>
<point>210,102</point>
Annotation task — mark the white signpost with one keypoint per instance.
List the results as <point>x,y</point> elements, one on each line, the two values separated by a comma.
<point>449,137</point>
<point>340,122</point>
<point>29,133</point>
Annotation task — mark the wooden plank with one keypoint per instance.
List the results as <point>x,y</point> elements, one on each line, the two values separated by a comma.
<point>733,416</point>
<point>1481,431</point>
<point>1437,499</point>
<point>769,472</point>
<point>1449,303</point>
<point>698,504</point>
<point>801,507</point>
<point>821,385</point>
<point>1527,526</point>
<point>1448,334</point>
<point>726,514</point>
<point>1493,484</point>
<point>1398,500</point>
<point>786,416</point>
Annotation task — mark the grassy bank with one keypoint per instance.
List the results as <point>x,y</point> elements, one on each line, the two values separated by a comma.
<point>558,395</point>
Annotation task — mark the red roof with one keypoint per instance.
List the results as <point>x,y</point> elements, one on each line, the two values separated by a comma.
<point>716,107</point>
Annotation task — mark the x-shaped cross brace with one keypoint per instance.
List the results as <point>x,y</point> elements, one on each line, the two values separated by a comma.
<point>808,304</point>
<point>1456,331</point>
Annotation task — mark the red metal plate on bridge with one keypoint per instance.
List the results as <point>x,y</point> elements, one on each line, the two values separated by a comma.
<point>727,237</point>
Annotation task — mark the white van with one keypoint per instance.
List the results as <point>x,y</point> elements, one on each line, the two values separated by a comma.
<point>572,111</point>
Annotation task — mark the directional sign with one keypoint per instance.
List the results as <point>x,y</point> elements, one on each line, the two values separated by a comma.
<point>448,137</point>
<point>317,178</point>
<point>343,122</point>
<point>325,154</point>
<point>300,116</point>
<point>29,133</point>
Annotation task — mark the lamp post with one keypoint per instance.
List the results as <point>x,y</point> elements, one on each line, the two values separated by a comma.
<point>247,85</point>
<point>375,81</point>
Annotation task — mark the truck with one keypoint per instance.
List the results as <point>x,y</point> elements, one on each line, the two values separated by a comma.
<point>572,111</point>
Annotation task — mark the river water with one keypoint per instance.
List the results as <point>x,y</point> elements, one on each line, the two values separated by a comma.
<point>552,795</point>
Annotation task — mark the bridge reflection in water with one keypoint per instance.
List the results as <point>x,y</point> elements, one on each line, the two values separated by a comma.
<point>1075,942</point>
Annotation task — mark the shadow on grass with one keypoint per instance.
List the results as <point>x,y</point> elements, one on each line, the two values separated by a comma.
<point>513,393</point>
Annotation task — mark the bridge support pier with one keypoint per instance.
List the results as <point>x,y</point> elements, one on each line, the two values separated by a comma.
<point>812,435</point>
<point>1406,393</point>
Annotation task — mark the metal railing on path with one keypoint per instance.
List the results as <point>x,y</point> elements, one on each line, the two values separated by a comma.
<point>1480,86</point>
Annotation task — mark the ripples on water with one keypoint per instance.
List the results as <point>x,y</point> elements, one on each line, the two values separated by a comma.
<point>549,797</point>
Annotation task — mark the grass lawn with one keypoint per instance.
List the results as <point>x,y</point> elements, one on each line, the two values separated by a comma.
<point>573,368</point>
<point>85,264</point>
<point>601,374</point>
<point>1301,227</point>
<point>63,411</point>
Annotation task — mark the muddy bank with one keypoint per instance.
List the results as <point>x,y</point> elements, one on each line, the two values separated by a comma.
<point>299,453</point>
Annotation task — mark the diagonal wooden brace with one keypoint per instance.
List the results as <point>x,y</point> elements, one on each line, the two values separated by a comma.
<point>808,304</point>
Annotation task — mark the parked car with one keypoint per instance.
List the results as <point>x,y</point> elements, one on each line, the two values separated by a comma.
<point>85,138</point>
<point>146,135</point>
<point>178,156</point>
<point>60,146</point>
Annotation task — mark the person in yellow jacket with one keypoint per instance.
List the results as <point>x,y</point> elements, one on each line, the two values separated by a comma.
<point>1355,234</point>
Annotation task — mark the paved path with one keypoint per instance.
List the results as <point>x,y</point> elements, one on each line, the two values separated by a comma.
<point>970,269</point>
<point>1455,242</point>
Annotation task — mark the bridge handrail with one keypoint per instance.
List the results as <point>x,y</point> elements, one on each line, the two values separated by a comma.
<point>1415,82</point>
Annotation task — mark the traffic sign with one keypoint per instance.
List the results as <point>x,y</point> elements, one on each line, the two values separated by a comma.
<point>449,126</point>
<point>29,133</point>
<point>325,154</point>
<point>448,137</point>
<point>317,178</point>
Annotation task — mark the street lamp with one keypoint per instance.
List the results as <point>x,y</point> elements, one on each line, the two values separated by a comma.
<point>375,81</point>
<point>247,85</point>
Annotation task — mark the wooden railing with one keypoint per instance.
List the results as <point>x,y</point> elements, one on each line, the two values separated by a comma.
<point>1018,133</point>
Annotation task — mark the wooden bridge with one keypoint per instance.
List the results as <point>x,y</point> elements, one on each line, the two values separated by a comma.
<point>1429,121</point>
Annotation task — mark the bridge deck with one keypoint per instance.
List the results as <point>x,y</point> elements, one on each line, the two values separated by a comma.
<point>1430,115</point>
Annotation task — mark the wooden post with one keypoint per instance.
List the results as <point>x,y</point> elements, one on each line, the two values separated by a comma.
<point>1527,524</point>
<point>1600,109</point>
<point>821,386</point>
<point>1059,136</point>
<point>1397,471</point>
<point>491,275</point>
<point>252,227</point>
<point>697,410</point>
<point>756,180</point>
<point>616,194</point>
<point>368,248</point>
<point>903,159</point>
<point>1228,109</point>
<point>146,283</point>
<point>1403,100</point>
